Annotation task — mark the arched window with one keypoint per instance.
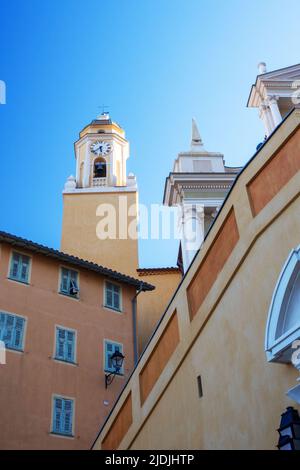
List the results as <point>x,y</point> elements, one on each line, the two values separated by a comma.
<point>100,168</point>
<point>283,325</point>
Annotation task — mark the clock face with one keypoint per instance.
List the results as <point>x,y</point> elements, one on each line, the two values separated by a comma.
<point>101,148</point>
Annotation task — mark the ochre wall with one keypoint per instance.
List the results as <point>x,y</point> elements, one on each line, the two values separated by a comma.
<point>213,263</point>
<point>275,174</point>
<point>120,425</point>
<point>222,337</point>
<point>152,306</point>
<point>29,379</point>
<point>159,357</point>
<point>79,236</point>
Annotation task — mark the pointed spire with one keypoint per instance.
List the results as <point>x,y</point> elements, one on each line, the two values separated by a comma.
<point>196,142</point>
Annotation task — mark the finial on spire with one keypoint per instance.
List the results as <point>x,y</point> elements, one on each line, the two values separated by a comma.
<point>262,67</point>
<point>196,138</point>
<point>104,114</point>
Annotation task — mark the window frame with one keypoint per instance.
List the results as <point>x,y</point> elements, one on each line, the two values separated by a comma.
<point>52,431</point>
<point>120,309</point>
<point>70,296</point>
<point>279,348</point>
<point>105,369</point>
<point>21,253</point>
<point>65,361</point>
<point>22,347</point>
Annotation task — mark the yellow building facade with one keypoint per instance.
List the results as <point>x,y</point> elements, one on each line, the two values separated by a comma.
<point>100,217</point>
<point>219,371</point>
<point>101,201</point>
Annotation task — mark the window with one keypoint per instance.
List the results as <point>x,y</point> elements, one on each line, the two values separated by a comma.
<point>62,422</point>
<point>112,296</point>
<point>12,330</point>
<point>110,348</point>
<point>69,282</point>
<point>100,168</point>
<point>65,344</point>
<point>19,267</point>
<point>283,325</point>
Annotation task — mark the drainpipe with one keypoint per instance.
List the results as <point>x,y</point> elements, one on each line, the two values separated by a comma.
<point>135,346</point>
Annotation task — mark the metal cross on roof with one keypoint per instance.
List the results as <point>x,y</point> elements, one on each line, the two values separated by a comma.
<point>103,106</point>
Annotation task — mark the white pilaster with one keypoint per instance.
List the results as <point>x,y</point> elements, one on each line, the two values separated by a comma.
<point>266,117</point>
<point>87,166</point>
<point>77,166</point>
<point>275,110</point>
<point>192,231</point>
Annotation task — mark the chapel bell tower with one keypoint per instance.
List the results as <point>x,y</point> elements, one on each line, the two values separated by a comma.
<point>101,188</point>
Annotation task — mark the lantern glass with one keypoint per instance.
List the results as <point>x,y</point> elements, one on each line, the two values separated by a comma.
<point>117,360</point>
<point>286,432</point>
<point>287,446</point>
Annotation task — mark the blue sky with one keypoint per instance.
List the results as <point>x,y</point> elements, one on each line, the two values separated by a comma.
<point>156,64</point>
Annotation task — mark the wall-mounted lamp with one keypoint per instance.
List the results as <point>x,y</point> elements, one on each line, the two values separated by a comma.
<point>117,359</point>
<point>289,430</point>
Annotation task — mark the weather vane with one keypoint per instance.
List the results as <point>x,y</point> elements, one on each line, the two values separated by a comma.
<point>102,107</point>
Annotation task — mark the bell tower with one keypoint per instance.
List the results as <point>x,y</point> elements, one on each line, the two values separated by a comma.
<point>100,202</point>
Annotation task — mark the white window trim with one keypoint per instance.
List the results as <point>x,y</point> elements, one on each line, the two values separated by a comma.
<point>121,296</point>
<point>29,271</point>
<point>52,433</point>
<point>22,350</point>
<point>68,296</point>
<point>75,363</point>
<point>106,340</point>
<point>277,349</point>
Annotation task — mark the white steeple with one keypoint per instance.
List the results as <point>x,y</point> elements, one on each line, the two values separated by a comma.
<point>196,142</point>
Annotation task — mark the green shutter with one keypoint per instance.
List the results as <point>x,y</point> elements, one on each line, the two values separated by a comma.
<point>68,417</point>
<point>19,269</point>
<point>64,286</point>
<point>18,332</point>
<point>57,415</point>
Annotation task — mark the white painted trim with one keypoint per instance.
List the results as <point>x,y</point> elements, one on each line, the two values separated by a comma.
<point>276,348</point>
<point>102,189</point>
<point>111,309</point>
<point>22,350</point>
<point>60,266</point>
<point>54,345</point>
<point>30,266</point>
<point>57,395</point>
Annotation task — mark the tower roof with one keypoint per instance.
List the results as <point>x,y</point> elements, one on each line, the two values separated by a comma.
<point>102,124</point>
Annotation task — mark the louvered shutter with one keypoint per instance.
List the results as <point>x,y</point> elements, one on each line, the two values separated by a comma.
<point>108,354</point>
<point>2,325</point>
<point>24,268</point>
<point>68,416</point>
<point>117,298</point>
<point>109,294</point>
<point>14,269</point>
<point>8,330</point>
<point>74,277</point>
<point>57,415</point>
<point>18,332</point>
<point>60,343</point>
<point>70,346</point>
